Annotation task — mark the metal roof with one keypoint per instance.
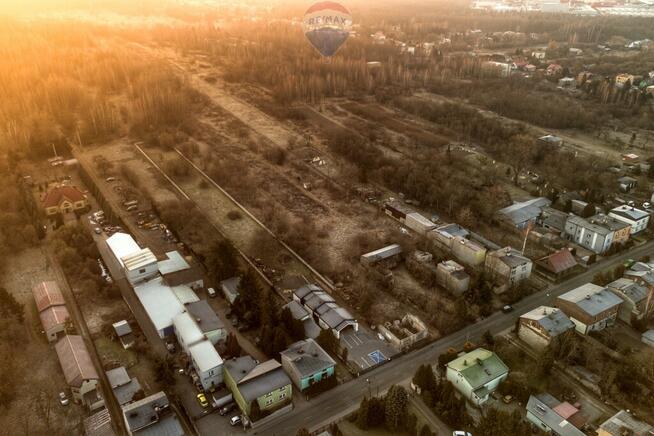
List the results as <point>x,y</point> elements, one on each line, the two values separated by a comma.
<point>559,261</point>
<point>117,377</point>
<point>174,262</point>
<point>138,259</point>
<point>630,212</point>
<point>541,406</point>
<point>160,302</point>
<point>592,226</point>
<point>187,329</point>
<point>204,315</point>
<point>592,299</point>
<point>307,357</point>
<point>54,316</point>
<point>47,294</point>
<point>121,245</point>
<point>629,288</point>
<point>524,211</point>
<point>266,377</point>
<point>98,424</point>
<point>305,290</point>
<point>616,424</point>
<point>75,360</point>
<point>205,356</point>
<point>383,253</point>
<point>122,328</point>
<point>453,229</point>
<point>145,412</point>
<point>478,367</point>
<point>297,310</point>
<point>608,221</point>
<point>552,319</point>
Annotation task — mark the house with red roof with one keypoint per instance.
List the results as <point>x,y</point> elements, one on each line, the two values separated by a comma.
<point>52,309</point>
<point>557,265</point>
<point>63,199</point>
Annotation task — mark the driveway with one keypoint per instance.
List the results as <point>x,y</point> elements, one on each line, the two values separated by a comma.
<point>365,349</point>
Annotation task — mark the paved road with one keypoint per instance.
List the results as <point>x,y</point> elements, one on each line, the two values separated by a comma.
<point>345,398</point>
<point>434,421</point>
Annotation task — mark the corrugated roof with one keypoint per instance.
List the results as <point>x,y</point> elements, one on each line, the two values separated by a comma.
<point>204,354</point>
<point>121,245</point>
<point>138,259</point>
<point>479,367</point>
<point>524,211</point>
<point>75,360</point>
<point>47,294</point>
<point>54,316</point>
<point>98,424</point>
<point>592,299</point>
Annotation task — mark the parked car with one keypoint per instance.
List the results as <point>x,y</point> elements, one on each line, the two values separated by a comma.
<point>97,230</point>
<point>131,208</point>
<point>110,179</point>
<point>647,205</point>
<point>460,433</point>
<point>228,408</point>
<point>508,308</point>
<point>202,399</point>
<point>211,292</point>
<point>63,399</point>
<point>507,399</point>
<point>235,420</point>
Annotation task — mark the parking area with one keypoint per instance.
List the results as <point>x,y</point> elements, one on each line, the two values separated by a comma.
<point>365,349</point>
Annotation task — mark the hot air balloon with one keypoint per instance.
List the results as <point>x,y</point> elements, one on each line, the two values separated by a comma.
<point>327,25</point>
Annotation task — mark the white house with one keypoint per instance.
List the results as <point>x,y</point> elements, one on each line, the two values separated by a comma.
<point>140,265</point>
<point>121,245</point>
<point>477,374</point>
<point>207,364</point>
<point>636,218</point>
<point>163,303</point>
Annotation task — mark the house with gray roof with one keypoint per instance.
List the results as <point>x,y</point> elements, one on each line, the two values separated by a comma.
<point>328,313</point>
<point>507,267</point>
<point>152,416</point>
<point>477,374</point>
<point>264,383</point>
<point>230,288</point>
<point>552,416</point>
<point>123,386</point>
<point>78,369</point>
<point>623,423</point>
<point>634,298</point>
<point>99,424</point>
<point>211,326</point>
<point>522,214</point>
<point>590,307</point>
<point>540,326</point>
<point>590,235</point>
<point>307,363</point>
<point>553,220</point>
<point>311,329</point>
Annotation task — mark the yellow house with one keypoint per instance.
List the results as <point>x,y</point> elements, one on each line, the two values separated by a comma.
<point>64,199</point>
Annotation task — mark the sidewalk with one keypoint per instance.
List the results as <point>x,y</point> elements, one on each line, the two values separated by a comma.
<point>434,421</point>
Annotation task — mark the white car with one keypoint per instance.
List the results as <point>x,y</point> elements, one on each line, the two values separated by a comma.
<point>235,420</point>
<point>460,433</point>
<point>63,399</point>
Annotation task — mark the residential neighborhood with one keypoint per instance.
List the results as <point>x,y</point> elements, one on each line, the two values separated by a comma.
<point>427,218</point>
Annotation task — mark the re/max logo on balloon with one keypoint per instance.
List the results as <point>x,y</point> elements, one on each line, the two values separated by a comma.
<point>327,25</point>
<point>327,19</point>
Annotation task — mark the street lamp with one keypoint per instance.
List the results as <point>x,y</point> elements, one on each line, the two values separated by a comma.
<point>369,393</point>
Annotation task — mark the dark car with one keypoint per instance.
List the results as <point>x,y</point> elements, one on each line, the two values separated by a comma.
<point>228,408</point>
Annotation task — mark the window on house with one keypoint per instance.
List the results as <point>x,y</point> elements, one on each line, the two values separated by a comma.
<point>282,389</point>
<point>142,270</point>
<point>282,396</point>
<point>269,394</point>
<point>269,402</point>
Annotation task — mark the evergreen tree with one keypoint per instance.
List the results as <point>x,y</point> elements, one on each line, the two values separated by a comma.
<point>255,411</point>
<point>363,414</point>
<point>303,432</point>
<point>232,347</point>
<point>425,431</point>
<point>395,407</point>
